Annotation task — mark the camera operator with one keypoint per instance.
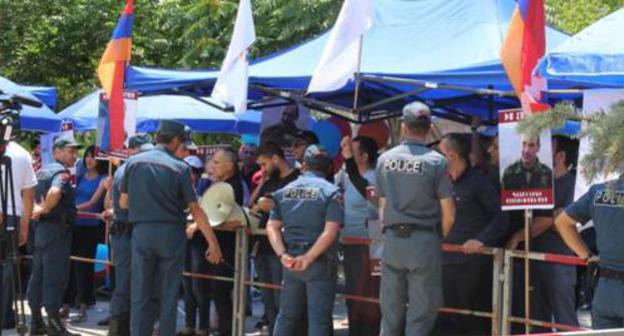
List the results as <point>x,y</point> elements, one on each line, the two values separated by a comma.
<point>24,183</point>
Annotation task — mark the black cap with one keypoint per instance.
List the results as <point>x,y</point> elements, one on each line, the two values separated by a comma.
<point>66,142</point>
<point>174,127</point>
<point>141,141</point>
<point>306,137</point>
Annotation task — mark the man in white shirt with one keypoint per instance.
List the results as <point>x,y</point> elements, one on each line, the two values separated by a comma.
<point>24,183</point>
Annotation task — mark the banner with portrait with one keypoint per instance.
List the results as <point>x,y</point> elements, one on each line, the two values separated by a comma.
<point>526,173</point>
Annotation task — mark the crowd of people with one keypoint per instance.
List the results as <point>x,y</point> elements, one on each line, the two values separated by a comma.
<point>424,194</point>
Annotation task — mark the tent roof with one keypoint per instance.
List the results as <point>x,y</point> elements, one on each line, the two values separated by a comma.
<point>455,42</point>
<point>40,119</point>
<point>594,56</point>
<point>46,94</point>
<point>200,116</point>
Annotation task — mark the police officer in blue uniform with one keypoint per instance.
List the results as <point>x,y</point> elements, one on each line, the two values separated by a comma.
<point>54,218</point>
<point>417,209</point>
<point>120,244</point>
<point>156,189</point>
<point>303,228</point>
<point>604,204</point>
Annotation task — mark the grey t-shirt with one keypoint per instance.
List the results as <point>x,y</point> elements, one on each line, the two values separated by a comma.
<point>412,178</point>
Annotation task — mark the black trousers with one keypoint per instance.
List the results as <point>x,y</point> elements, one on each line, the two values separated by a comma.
<point>222,290</point>
<point>81,280</point>
<point>467,285</point>
<point>364,317</point>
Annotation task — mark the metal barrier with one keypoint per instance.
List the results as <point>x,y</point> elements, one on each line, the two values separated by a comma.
<point>502,283</point>
<point>507,318</point>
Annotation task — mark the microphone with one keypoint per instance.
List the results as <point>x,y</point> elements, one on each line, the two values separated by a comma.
<point>24,100</point>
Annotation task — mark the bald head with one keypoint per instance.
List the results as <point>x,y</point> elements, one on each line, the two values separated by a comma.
<point>224,164</point>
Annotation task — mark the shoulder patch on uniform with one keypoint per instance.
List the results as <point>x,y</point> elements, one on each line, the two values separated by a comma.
<point>301,193</point>
<point>413,166</point>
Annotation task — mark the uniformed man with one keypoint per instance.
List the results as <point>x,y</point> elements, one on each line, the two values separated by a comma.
<point>54,218</point>
<point>303,228</point>
<point>156,188</point>
<point>604,204</point>
<point>417,209</point>
<point>528,172</point>
<point>120,245</point>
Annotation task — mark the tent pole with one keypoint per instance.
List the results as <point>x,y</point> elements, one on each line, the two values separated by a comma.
<point>356,96</point>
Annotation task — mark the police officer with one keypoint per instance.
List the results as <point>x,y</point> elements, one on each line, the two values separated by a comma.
<point>309,212</point>
<point>528,172</point>
<point>604,204</point>
<point>415,200</point>
<point>156,188</point>
<point>120,244</point>
<point>54,218</point>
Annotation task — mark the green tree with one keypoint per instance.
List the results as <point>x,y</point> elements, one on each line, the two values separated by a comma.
<point>572,16</point>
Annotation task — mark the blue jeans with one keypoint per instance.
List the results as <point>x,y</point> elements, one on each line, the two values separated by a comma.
<point>608,305</point>
<point>122,256</point>
<point>269,269</point>
<point>318,285</point>
<point>50,267</point>
<point>157,265</point>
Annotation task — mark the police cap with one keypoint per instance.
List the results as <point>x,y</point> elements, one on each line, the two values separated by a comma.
<point>66,141</point>
<point>175,127</point>
<point>142,141</point>
<point>416,114</point>
<point>316,155</point>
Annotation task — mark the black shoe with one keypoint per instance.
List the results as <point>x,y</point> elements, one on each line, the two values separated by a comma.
<point>9,324</point>
<point>57,328</point>
<point>104,322</point>
<point>37,326</point>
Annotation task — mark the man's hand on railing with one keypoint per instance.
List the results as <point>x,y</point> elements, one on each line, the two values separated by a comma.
<point>472,246</point>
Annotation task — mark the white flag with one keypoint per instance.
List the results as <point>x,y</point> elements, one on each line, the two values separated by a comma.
<point>340,57</point>
<point>231,86</point>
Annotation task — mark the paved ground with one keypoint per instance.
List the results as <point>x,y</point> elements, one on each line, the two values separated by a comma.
<point>100,311</point>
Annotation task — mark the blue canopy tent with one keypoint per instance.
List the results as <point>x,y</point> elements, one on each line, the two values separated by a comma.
<point>445,52</point>
<point>198,115</point>
<point>593,57</point>
<point>38,119</point>
<point>46,94</point>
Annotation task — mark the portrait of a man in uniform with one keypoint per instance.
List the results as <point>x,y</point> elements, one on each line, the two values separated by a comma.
<point>528,172</point>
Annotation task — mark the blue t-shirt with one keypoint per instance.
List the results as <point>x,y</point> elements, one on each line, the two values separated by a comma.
<point>85,188</point>
<point>357,209</point>
<point>604,204</point>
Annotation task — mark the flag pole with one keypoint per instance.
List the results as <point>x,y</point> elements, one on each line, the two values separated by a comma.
<point>356,96</point>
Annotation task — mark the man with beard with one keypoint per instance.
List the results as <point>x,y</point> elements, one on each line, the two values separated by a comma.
<point>279,173</point>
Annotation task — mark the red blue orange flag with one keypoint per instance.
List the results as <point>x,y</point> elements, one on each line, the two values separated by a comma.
<point>111,72</point>
<point>523,47</point>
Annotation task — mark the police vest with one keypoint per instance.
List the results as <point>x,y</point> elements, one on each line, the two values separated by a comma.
<point>65,210</point>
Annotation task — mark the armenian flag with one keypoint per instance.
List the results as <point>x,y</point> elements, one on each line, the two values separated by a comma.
<point>523,47</point>
<point>111,72</point>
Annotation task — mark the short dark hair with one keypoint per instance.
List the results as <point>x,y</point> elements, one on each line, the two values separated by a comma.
<point>368,146</point>
<point>165,137</point>
<point>459,144</point>
<point>270,148</point>
<point>569,146</point>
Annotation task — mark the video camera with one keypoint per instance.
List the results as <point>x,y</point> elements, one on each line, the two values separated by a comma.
<point>10,107</point>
